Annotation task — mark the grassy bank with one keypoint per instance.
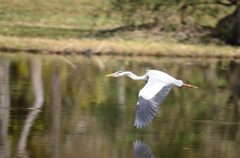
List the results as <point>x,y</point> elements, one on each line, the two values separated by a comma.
<point>113,46</point>
<point>71,27</point>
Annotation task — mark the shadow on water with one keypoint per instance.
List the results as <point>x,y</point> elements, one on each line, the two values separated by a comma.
<point>54,106</point>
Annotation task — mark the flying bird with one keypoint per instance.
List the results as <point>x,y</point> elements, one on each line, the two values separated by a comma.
<point>152,94</point>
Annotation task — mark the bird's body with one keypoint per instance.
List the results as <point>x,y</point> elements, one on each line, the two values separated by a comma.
<point>152,94</point>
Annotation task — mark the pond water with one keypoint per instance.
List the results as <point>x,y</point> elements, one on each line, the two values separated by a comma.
<point>64,107</point>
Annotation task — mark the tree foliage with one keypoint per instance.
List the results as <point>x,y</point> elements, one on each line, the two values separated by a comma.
<point>182,12</point>
<point>141,11</point>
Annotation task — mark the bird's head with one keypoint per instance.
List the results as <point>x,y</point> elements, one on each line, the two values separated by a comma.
<point>118,74</point>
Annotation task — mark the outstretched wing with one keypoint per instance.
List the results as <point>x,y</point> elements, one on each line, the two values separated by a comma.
<point>150,98</point>
<point>142,150</point>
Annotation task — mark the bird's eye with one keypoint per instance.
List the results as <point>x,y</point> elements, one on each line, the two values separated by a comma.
<point>119,72</point>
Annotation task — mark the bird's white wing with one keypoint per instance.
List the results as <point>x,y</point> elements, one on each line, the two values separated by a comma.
<point>150,98</point>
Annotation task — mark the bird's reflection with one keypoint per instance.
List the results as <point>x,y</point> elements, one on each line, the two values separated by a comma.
<point>142,150</point>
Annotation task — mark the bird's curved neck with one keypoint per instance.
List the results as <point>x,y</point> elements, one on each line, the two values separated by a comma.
<point>135,77</point>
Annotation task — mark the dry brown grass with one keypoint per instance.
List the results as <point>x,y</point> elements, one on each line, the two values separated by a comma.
<point>114,46</point>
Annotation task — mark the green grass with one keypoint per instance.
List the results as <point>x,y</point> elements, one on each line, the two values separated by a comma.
<point>62,18</point>
<point>64,13</point>
<point>54,26</point>
<point>34,31</point>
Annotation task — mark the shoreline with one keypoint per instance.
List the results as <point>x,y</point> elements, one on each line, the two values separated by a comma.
<point>113,46</point>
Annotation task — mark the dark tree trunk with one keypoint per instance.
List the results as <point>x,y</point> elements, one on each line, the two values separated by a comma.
<point>238,24</point>
<point>229,27</point>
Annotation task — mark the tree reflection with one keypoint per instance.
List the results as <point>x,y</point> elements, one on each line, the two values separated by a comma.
<point>4,111</point>
<point>55,116</point>
<point>234,78</point>
<point>88,115</point>
<point>36,76</point>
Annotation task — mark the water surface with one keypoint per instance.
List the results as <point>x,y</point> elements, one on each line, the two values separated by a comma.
<point>58,107</point>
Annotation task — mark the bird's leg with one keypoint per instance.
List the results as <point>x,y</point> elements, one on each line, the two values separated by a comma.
<point>188,85</point>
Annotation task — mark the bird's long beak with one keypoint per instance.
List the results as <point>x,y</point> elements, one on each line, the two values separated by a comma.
<point>110,75</point>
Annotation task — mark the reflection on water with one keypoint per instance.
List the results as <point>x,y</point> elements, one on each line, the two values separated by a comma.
<point>54,106</point>
<point>142,150</point>
<point>36,78</point>
<point>4,111</point>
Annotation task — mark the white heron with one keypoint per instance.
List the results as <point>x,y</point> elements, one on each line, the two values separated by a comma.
<point>152,94</point>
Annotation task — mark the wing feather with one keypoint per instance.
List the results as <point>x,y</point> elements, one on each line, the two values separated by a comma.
<point>148,104</point>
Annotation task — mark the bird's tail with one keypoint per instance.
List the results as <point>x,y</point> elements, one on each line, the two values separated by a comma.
<point>178,83</point>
